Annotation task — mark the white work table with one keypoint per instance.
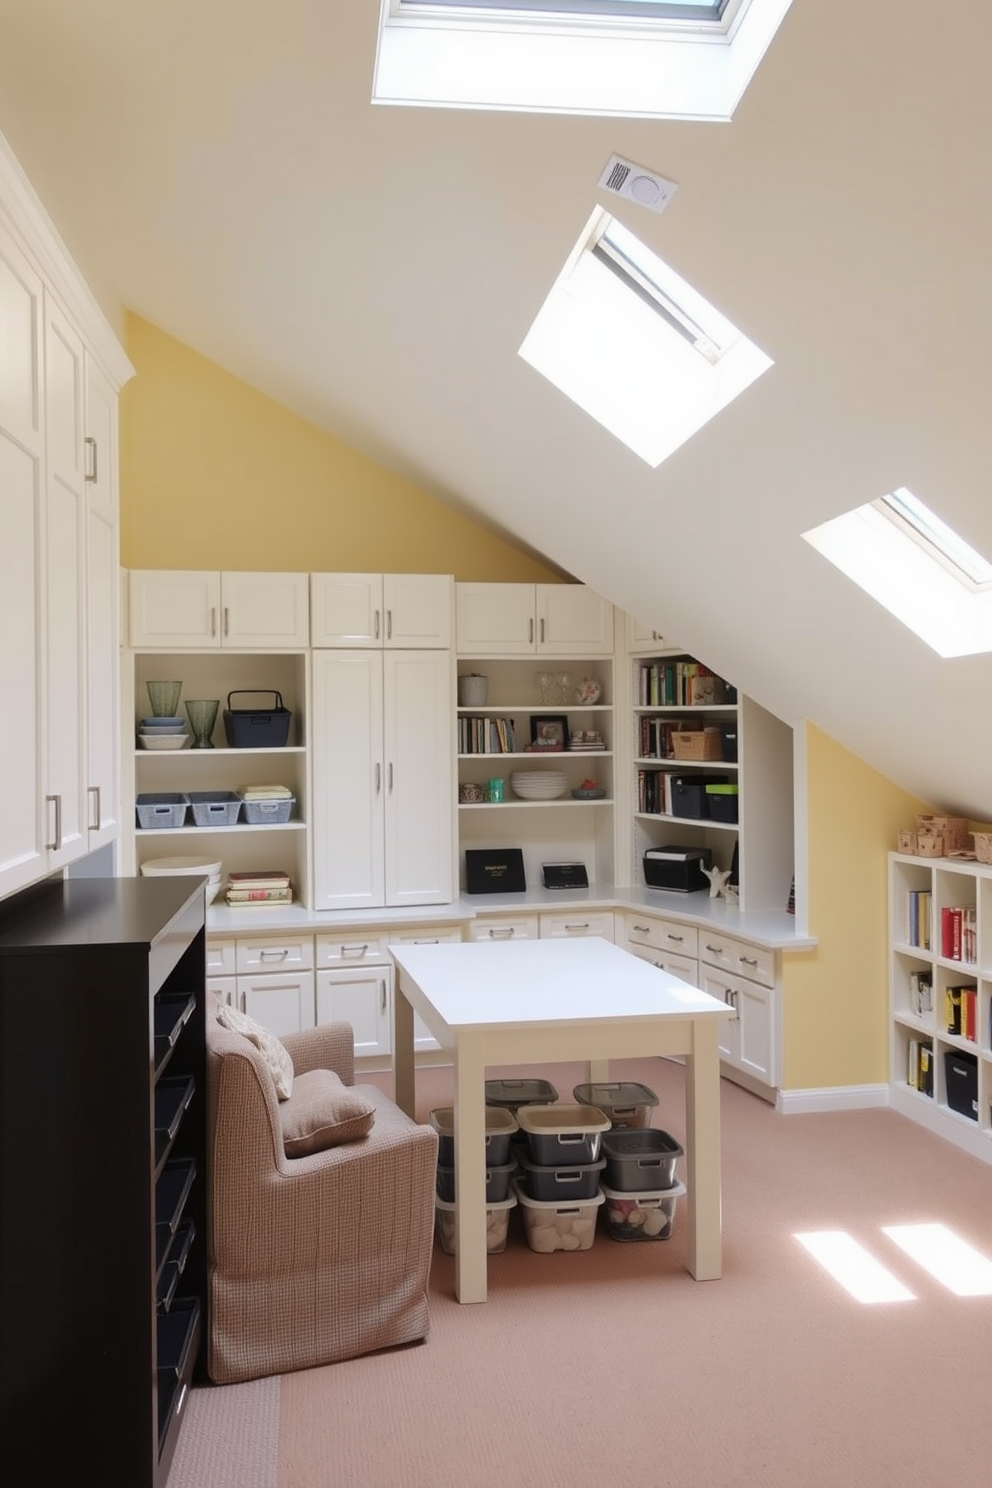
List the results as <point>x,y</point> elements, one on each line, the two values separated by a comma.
<point>529,1001</point>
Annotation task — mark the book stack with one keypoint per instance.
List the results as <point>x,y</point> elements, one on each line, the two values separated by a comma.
<point>264,886</point>
<point>958,933</point>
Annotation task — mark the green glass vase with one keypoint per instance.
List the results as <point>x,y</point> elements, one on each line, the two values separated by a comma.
<point>202,717</point>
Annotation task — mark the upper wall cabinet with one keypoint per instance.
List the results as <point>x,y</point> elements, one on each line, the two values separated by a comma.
<point>532,619</point>
<point>410,612</point>
<point>192,609</point>
<point>641,637</point>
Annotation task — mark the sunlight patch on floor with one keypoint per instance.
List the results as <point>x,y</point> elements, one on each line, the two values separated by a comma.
<point>948,1259</point>
<point>855,1268</point>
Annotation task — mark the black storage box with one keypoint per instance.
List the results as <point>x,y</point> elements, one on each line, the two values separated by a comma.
<point>728,739</point>
<point>689,793</point>
<point>721,803</point>
<point>256,728</point>
<point>961,1082</point>
<point>679,869</point>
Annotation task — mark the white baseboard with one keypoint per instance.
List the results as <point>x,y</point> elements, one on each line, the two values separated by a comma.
<point>832,1098</point>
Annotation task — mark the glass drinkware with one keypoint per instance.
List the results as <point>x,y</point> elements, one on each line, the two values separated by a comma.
<point>202,717</point>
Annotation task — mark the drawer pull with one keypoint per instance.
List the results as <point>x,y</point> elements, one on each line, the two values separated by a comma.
<point>641,929</point>
<point>748,960</point>
<point>717,950</point>
<point>273,953</point>
<point>354,950</point>
<point>382,983</point>
<point>501,932</point>
<point>583,926</point>
<point>678,938</point>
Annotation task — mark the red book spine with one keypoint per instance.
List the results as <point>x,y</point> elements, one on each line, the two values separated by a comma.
<point>946,933</point>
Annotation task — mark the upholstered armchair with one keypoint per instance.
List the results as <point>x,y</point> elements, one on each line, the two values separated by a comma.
<point>317,1257</point>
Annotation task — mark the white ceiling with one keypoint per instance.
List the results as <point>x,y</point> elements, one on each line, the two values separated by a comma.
<point>219,169</point>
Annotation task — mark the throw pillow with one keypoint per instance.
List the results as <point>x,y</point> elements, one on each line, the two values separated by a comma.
<point>323,1113</point>
<point>275,1053</point>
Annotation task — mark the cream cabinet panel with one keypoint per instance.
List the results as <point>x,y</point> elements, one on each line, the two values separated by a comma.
<point>505,927</point>
<point>686,969</point>
<point>747,1042</point>
<point>283,1002</point>
<point>280,953</point>
<point>202,608</point>
<point>362,996</point>
<point>419,763</point>
<point>529,619</point>
<point>224,987</point>
<point>737,956</point>
<point>351,948</point>
<point>65,607</point>
<point>382,611</point>
<point>221,957</point>
<point>640,637</point>
<point>670,937</point>
<point>102,593</point>
<point>348,795</point>
<point>570,924</point>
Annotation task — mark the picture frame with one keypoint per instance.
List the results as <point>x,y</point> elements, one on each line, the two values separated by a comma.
<point>549,730</point>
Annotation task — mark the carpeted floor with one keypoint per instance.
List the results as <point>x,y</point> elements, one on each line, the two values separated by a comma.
<point>586,1369</point>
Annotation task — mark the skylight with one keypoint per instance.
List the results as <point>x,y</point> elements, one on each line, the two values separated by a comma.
<point>635,345</point>
<point>909,560</point>
<point>641,58</point>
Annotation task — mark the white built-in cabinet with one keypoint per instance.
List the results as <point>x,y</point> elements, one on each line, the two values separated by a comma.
<point>382,747</point>
<point>204,609</point>
<point>381,611</point>
<point>60,373</point>
<point>532,619</point>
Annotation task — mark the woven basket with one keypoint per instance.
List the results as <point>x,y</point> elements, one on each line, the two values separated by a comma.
<point>929,845</point>
<point>983,846</point>
<point>704,744</point>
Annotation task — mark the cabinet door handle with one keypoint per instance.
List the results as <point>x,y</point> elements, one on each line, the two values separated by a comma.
<point>94,791</point>
<point>747,960</point>
<point>273,953</point>
<point>382,983</point>
<point>243,999</point>
<point>378,777</point>
<point>89,445</point>
<point>213,620</point>
<point>389,625</point>
<point>376,625</point>
<point>542,630</point>
<point>390,777</point>
<point>530,637</point>
<point>227,620</point>
<point>55,845</point>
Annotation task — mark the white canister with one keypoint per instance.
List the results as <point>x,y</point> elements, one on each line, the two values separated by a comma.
<point>473,689</point>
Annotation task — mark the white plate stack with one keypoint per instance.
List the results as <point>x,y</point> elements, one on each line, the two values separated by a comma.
<point>211,868</point>
<point>162,733</point>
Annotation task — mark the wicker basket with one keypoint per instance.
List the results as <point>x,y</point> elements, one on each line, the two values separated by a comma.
<point>906,842</point>
<point>929,845</point>
<point>983,846</point>
<point>702,745</point>
<point>953,829</point>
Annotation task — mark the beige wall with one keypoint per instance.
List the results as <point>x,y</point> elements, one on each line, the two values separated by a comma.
<point>836,997</point>
<point>215,475</point>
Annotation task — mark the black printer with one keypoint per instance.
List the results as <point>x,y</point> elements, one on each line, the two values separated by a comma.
<point>678,869</point>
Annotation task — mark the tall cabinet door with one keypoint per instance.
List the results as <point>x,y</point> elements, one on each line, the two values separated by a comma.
<point>65,648</point>
<point>22,850</point>
<point>348,779</point>
<point>102,655</point>
<point>419,755</point>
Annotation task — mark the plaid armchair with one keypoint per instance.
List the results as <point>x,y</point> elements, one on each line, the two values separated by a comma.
<point>317,1258</point>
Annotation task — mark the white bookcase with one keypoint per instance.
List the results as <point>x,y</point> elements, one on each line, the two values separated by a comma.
<point>958,1106</point>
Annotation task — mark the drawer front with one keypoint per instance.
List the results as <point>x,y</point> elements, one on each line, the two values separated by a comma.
<point>279,953</point>
<point>221,958</point>
<point>352,948</point>
<point>567,926</point>
<point>226,988</point>
<point>738,957</point>
<point>429,935</point>
<point>520,927</point>
<point>659,934</point>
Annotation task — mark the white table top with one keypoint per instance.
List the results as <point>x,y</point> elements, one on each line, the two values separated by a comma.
<point>491,984</point>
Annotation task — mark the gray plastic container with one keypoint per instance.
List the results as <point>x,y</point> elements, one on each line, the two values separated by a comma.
<point>562,1135</point>
<point>161,809</point>
<point>501,1126</point>
<point>564,1185</point>
<point>640,1161</point>
<point>626,1102</point>
<point>270,812</point>
<point>219,808</point>
<point>497,1183</point>
<point>512,1094</point>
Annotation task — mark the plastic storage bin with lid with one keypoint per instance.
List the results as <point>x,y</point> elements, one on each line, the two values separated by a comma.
<point>552,1225</point>
<point>560,1182</point>
<point>497,1224</point>
<point>563,1133</point>
<point>512,1094</point>
<point>640,1161</point>
<point>641,1216</point>
<point>497,1182</point>
<point>626,1102</point>
<point>501,1126</point>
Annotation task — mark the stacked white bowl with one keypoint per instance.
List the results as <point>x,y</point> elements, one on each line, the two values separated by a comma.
<point>211,868</point>
<point>538,785</point>
<point>162,733</point>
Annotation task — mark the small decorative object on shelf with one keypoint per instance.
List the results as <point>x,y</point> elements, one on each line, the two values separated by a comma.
<point>563,682</point>
<point>495,789</point>
<point>719,880</point>
<point>202,717</point>
<point>589,790</point>
<point>545,682</point>
<point>586,739</point>
<point>471,794</point>
<point>473,689</point>
<point>588,691</point>
<point>548,730</point>
<point>164,698</point>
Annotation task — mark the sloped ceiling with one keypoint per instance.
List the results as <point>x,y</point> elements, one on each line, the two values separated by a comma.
<point>219,169</point>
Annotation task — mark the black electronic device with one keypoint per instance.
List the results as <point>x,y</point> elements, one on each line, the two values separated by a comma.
<point>496,870</point>
<point>565,875</point>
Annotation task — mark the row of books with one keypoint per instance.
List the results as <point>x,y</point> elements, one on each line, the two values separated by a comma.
<point>959,933</point>
<point>961,1012</point>
<point>919,912</point>
<point>655,741</point>
<point>486,735</point>
<point>680,684</point>
<point>654,792</point>
<point>920,993</point>
<point>919,1071</point>
<point>263,886</point>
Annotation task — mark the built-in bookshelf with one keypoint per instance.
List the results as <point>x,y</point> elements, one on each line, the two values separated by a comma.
<point>940,996</point>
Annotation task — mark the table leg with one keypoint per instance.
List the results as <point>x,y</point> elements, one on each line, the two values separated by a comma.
<point>704,1245</point>
<point>403,1061</point>
<point>470,1173</point>
<point>599,1072</point>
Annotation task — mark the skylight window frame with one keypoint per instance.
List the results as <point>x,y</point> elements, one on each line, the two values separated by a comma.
<point>717,25</point>
<point>939,541</point>
<point>603,246</point>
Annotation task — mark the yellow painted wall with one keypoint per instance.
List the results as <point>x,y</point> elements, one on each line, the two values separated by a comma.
<point>835,1014</point>
<point>215,475</point>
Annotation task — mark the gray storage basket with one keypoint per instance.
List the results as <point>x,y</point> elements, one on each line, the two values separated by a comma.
<point>161,809</point>
<point>271,812</point>
<point>219,808</point>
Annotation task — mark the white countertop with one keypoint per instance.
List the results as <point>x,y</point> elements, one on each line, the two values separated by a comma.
<point>773,929</point>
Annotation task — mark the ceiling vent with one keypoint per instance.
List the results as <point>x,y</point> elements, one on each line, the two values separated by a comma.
<point>634,183</point>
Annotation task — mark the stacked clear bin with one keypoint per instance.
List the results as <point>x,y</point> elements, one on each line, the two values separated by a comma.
<point>500,1129</point>
<point>640,1185</point>
<point>558,1189</point>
